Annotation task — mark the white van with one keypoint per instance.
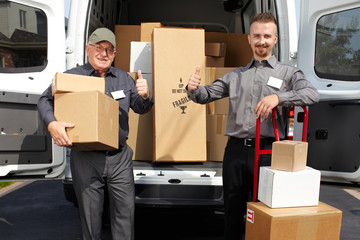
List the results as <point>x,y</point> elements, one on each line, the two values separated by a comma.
<point>34,46</point>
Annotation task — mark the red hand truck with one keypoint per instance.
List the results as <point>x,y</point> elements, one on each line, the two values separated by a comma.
<point>259,152</point>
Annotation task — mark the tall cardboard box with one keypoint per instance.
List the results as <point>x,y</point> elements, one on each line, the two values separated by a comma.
<point>125,34</point>
<point>147,29</point>
<point>96,119</point>
<point>279,189</point>
<point>322,222</point>
<point>66,82</point>
<point>289,155</point>
<point>179,123</point>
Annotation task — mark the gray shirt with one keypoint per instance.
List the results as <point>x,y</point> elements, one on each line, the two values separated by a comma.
<point>246,86</point>
<point>115,80</point>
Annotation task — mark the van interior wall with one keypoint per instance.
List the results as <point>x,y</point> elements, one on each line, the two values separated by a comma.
<point>207,14</point>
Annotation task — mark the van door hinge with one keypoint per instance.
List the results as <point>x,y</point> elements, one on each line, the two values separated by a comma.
<point>69,50</point>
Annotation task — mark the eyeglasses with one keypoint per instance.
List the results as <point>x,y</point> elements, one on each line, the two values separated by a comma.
<point>100,49</point>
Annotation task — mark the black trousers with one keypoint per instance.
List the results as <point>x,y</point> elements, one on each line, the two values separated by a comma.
<point>238,174</point>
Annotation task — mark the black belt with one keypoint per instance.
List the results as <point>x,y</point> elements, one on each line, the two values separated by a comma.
<point>116,151</point>
<point>250,142</point>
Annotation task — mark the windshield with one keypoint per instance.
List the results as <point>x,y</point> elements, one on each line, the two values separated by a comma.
<point>23,38</point>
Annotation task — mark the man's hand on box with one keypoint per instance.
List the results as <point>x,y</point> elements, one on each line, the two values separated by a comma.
<point>58,133</point>
<point>142,86</point>
<point>194,80</point>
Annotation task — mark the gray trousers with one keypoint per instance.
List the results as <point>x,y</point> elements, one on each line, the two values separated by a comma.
<point>92,172</point>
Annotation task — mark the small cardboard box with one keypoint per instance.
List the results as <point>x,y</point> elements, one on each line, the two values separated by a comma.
<point>289,155</point>
<point>322,222</point>
<point>216,139</point>
<point>66,82</point>
<point>96,119</point>
<point>179,123</point>
<point>141,57</point>
<point>215,61</point>
<point>279,189</point>
<point>215,49</point>
<point>220,106</point>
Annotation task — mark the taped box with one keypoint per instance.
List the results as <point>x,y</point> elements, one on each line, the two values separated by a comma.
<point>279,189</point>
<point>322,222</point>
<point>96,119</point>
<point>66,82</point>
<point>289,155</point>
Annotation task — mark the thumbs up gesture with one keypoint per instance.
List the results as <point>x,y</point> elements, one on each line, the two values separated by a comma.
<point>142,86</point>
<point>194,80</point>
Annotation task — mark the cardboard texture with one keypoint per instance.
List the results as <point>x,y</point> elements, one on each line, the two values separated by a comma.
<point>215,49</point>
<point>147,29</point>
<point>66,82</point>
<point>220,106</point>
<point>214,61</point>
<point>216,139</point>
<point>279,189</point>
<point>238,51</point>
<point>141,57</point>
<point>322,222</point>
<point>179,123</point>
<point>125,34</point>
<point>289,155</point>
<point>96,119</point>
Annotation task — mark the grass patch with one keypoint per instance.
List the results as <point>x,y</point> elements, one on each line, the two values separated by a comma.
<point>5,184</point>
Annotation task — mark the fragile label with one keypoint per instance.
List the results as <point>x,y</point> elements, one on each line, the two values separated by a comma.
<point>250,216</point>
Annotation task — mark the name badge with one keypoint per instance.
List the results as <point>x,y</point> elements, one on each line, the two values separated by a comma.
<point>275,82</point>
<point>118,94</point>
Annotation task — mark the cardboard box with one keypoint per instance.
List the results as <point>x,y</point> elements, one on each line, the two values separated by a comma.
<point>215,49</point>
<point>238,51</point>
<point>279,189</point>
<point>322,222</point>
<point>66,82</point>
<point>125,34</point>
<point>147,29</point>
<point>96,119</point>
<point>179,123</point>
<point>289,155</point>
<point>216,139</point>
<point>215,61</point>
<point>220,106</point>
<point>141,57</point>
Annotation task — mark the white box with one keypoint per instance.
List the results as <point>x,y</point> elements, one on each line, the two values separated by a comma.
<point>141,57</point>
<point>279,189</point>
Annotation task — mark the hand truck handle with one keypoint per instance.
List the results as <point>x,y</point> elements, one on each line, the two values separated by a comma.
<point>277,138</point>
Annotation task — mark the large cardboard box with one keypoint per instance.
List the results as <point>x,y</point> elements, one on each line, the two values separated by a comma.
<point>220,106</point>
<point>238,51</point>
<point>216,139</point>
<point>279,189</point>
<point>289,155</point>
<point>141,57</point>
<point>125,34</point>
<point>322,222</point>
<point>179,123</point>
<point>96,119</point>
<point>66,82</point>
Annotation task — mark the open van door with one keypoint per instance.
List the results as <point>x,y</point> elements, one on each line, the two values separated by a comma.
<point>329,55</point>
<point>32,49</point>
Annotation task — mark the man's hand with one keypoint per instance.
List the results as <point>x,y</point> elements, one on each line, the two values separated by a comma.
<point>58,133</point>
<point>194,80</point>
<point>142,86</point>
<point>266,105</point>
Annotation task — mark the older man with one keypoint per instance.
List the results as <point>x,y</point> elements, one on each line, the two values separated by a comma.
<point>94,171</point>
<point>253,92</point>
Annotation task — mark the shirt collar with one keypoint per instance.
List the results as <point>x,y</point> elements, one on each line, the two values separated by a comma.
<point>271,61</point>
<point>90,71</point>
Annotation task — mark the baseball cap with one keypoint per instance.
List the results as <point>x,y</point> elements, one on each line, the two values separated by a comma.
<point>103,34</point>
